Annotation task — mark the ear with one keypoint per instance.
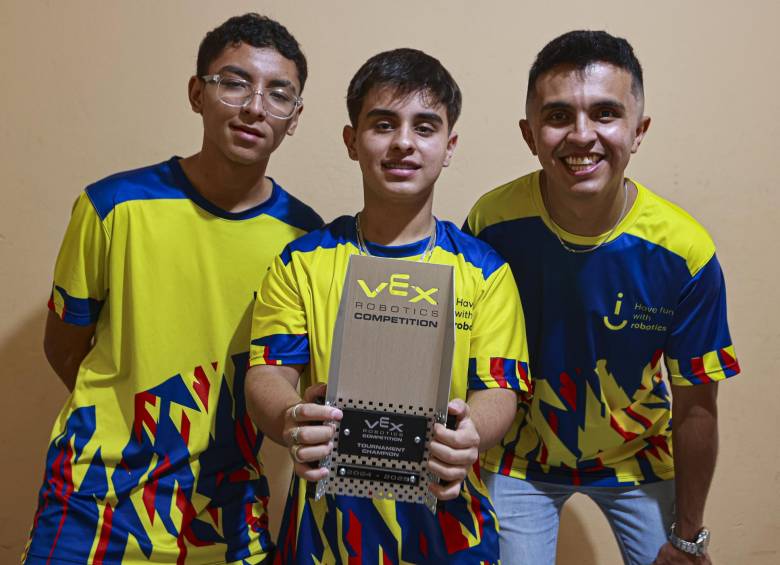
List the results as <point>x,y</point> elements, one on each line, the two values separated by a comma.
<point>528,135</point>
<point>641,130</point>
<point>293,121</point>
<point>195,90</point>
<point>452,142</point>
<point>348,134</point>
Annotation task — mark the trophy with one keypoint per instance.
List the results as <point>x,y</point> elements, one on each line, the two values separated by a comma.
<point>390,370</point>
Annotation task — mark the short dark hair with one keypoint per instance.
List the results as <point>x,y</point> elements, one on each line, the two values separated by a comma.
<point>582,48</point>
<point>257,31</point>
<point>406,71</point>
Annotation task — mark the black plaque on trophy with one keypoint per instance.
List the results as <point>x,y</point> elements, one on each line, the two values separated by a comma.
<point>390,371</point>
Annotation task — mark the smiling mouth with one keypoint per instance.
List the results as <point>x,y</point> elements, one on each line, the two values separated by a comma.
<point>396,165</point>
<point>580,163</point>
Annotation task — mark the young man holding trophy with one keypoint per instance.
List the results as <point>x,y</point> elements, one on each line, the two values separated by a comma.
<point>402,106</point>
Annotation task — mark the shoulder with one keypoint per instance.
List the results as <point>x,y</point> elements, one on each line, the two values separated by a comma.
<point>292,211</point>
<point>471,250</point>
<point>327,237</point>
<point>510,201</point>
<point>667,225</point>
<point>162,180</point>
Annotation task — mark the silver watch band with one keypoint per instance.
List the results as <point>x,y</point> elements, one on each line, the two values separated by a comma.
<point>696,547</point>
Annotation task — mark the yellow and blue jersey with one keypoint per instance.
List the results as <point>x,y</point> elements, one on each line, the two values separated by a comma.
<point>293,323</point>
<point>154,458</point>
<point>600,326</point>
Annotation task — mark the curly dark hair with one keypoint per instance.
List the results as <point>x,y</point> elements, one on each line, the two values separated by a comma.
<point>257,31</point>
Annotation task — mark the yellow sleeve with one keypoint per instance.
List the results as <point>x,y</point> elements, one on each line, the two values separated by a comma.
<point>498,355</point>
<point>80,279</point>
<point>279,328</point>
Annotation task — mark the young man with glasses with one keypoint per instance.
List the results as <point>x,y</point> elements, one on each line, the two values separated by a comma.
<point>402,107</point>
<point>614,281</point>
<point>153,458</point>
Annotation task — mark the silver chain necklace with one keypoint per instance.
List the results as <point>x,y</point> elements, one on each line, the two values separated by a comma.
<point>556,227</point>
<point>363,248</point>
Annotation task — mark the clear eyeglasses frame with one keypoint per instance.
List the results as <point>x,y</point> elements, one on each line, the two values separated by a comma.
<point>239,93</point>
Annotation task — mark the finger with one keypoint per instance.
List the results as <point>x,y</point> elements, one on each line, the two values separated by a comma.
<point>306,471</point>
<point>310,435</point>
<point>310,453</point>
<point>457,407</point>
<point>464,437</point>
<point>445,491</point>
<point>451,456</point>
<point>446,472</point>
<point>310,412</point>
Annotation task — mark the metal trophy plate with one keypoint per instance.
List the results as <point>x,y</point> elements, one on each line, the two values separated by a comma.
<point>390,372</point>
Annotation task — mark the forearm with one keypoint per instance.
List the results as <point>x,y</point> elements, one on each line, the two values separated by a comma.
<point>695,441</point>
<point>492,411</point>
<point>65,346</point>
<point>270,391</point>
<point>66,366</point>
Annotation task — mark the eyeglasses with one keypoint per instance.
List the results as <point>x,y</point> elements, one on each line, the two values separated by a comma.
<point>279,102</point>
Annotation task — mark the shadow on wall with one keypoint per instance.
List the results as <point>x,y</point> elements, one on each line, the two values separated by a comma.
<point>574,543</point>
<point>31,400</point>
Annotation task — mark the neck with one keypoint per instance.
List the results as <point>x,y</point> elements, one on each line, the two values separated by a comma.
<point>588,215</point>
<point>228,185</point>
<point>395,224</point>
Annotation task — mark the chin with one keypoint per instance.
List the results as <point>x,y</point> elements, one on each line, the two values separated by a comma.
<point>246,159</point>
<point>586,187</point>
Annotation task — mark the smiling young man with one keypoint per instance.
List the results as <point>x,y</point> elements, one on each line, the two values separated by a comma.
<point>153,458</point>
<point>614,281</point>
<point>402,107</point>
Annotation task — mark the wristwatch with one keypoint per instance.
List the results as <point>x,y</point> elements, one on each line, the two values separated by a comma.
<point>696,547</point>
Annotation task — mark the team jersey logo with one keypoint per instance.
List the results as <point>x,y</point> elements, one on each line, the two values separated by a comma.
<point>643,317</point>
<point>618,306</point>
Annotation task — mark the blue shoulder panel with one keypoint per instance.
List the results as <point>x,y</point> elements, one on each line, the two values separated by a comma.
<point>290,210</point>
<point>475,251</point>
<point>148,183</point>
<point>339,231</point>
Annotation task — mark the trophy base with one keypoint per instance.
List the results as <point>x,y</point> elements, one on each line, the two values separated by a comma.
<point>380,452</point>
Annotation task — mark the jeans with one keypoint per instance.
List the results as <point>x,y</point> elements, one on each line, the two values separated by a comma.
<point>529,514</point>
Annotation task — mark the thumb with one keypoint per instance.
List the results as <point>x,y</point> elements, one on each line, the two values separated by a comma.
<point>314,391</point>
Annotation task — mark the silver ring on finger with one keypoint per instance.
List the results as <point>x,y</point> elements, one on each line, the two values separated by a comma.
<point>294,452</point>
<point>294,434</point>
<point>294,413</point>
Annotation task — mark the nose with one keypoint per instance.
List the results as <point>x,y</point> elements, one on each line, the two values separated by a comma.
<point>583,131</point>
<point>403,139</point>
<point>255,105</point>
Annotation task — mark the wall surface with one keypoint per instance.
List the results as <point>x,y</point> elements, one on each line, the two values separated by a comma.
<point>91,87</point>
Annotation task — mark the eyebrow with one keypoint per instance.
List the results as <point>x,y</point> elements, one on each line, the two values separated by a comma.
<point>236,71</point>
<point>605,102</point>
<point>384,112</point>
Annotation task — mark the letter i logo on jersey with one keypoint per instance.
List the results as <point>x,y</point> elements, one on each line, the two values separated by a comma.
<point>618,306</point>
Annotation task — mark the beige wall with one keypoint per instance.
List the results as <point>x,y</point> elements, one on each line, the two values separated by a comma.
<point>90,87</point>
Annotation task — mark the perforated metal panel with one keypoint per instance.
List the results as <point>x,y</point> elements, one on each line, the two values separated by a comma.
<point>416,490</point>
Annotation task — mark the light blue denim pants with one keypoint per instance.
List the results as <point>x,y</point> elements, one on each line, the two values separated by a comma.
<point>529,513</point>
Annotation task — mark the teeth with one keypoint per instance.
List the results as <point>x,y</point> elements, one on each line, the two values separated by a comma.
<point>591,159</point>
<point>398,166</point>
